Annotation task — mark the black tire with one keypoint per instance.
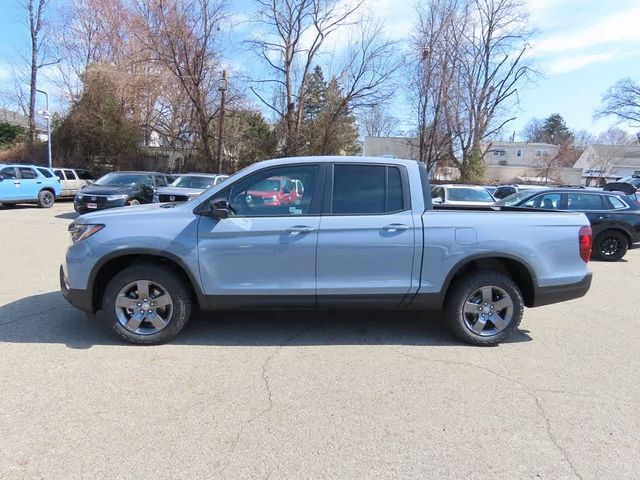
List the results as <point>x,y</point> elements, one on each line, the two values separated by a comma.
<point>46,199</point>
<point>458,312</point>
<point>610,246</point>
<point>173,285</point>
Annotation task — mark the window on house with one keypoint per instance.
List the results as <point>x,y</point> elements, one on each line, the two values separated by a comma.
<point>519,152</point>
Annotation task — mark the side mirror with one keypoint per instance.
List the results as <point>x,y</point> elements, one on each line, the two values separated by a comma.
<point>219,208</point>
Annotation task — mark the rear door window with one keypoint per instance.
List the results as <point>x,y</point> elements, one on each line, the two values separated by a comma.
<point>27,173</point>
<point>584,201</point>
<point>366,190</point>
<point>70,175</point>
<point>84,175</point>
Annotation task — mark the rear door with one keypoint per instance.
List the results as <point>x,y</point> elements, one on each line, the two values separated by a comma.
<point>72,184</point>
<point>30,183</point>
<point>592,205</point>
<point>367,235</point>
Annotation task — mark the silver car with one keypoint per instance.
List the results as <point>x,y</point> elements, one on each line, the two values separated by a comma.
<point>188,186</point>
<point>461,195</point>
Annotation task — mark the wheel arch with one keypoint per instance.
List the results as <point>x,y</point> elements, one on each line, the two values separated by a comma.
<point>514,267</point>
<point>110,265</point>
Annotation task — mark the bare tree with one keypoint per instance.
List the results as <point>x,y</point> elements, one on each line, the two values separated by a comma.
<point>181,36</point>
<point>295,32</point>
<point>615,136</point>
<point>35,10</point>
<point>377,122</point>
<point>491,67</point>
<point>622,101</point>
<point>435,45</point>
<point>366,79</point>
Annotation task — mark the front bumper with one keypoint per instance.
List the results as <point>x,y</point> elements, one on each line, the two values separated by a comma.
<point>81,299</point>
<point>80,205</point>
<point>561,293</point>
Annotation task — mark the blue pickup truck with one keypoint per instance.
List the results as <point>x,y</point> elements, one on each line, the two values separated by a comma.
<point>352,233</point>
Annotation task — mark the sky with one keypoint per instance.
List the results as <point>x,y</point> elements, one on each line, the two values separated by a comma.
<point>581,48</point>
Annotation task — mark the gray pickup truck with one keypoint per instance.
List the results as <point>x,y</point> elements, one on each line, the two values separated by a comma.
<point>323,233</point>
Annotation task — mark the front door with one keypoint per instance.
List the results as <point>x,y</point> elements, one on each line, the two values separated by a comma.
<point>9,185</point>
<point>367,238</point>
<point>264,254</point>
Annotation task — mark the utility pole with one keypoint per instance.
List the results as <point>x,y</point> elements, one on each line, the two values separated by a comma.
<point>47,116</point>
<point>222,88</point>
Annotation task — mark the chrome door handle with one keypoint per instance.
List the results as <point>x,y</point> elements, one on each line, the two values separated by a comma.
<point>395,227</point>
<point>297,229</point>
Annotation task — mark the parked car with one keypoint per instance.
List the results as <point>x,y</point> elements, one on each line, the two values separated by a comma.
<point>614,217</point>
<point>504,191</point>
<point>188,186</point>
<point>28,184</point>
<point>118,189</point>
<point>469,195</point>
<point>275,191</point>
<point>362,234</point>
<point>72,180</point>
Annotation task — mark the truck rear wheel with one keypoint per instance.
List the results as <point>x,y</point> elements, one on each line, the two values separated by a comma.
<point>484,308</point>
<point>147,304</point>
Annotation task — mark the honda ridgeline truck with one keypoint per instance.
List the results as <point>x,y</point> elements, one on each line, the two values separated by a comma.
<point>363,234</point>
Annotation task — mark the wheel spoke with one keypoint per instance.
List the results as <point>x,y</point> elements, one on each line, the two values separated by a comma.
<point>487,294</point>
<point>478,327</point>
<point>502,304</point>
<point>498,321</point>
<point>142,286</point>
<point>126,302</point>
<point>471,308</point>
<point>157,321</point>
<point>162,301</point>
<point>134,322</point>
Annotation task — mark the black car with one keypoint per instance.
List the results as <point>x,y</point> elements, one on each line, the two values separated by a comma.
<point>614,217</point>
<point>118,189</point>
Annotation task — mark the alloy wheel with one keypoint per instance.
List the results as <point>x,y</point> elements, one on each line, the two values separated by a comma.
<point>144,307</point>
<point>487,311</point>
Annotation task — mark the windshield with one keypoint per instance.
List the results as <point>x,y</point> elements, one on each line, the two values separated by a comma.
<point>635,181</point>
<point>118,179</point>
<point>469,195</point>
<point>268,185</point>
<point>193,181</point>
<point>515,198</point>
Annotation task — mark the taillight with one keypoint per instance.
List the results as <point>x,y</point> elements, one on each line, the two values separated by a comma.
<point>584,241</point>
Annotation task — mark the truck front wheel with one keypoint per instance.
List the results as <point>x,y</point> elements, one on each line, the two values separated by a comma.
<point>147,304</point>
<point>484,308</point>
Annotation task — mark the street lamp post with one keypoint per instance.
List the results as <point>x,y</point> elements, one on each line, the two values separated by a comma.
<point>47,117</point>
<point>222,88</point>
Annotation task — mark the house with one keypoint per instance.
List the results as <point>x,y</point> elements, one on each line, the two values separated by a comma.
<point>14,118</point>
<point>607,163</point>
<point>520,154</point>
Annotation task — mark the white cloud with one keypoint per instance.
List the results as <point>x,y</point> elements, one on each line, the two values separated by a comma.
<point>621,27</point>
<point>576,62</point>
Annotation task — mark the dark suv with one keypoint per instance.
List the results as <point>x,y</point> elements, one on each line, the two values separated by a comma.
<point>118,189</point>
<point>614,217</point>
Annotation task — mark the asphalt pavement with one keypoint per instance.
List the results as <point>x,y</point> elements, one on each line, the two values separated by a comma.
<point>310,395</point>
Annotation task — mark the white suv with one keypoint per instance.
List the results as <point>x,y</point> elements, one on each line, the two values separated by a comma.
<point>72,180</point>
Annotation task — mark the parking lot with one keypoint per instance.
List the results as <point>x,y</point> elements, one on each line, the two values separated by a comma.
<point>310,395</point>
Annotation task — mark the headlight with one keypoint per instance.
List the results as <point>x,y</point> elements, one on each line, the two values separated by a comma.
<point>82,231</point>
<point>110,198</point>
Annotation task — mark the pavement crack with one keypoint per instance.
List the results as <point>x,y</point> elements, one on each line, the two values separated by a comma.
<point>267,385</point>
<point>526,388</point>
